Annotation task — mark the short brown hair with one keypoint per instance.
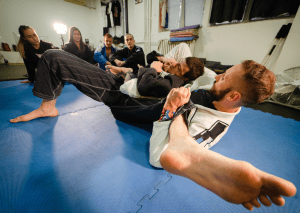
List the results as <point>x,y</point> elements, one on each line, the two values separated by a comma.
<point>259,82</point>
<point>196,68</point>
<point>107,35</point>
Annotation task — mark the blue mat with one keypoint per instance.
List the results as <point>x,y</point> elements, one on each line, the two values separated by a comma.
<point>86,161</point>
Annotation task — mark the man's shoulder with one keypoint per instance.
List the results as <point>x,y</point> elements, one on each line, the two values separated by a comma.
<point>138,49</point>
<point>99,48</point>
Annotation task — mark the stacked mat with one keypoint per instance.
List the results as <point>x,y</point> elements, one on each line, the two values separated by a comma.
<point>185,34</point>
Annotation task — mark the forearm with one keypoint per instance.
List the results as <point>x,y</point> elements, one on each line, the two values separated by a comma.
<point>178,128</point>
<point>162,59</point>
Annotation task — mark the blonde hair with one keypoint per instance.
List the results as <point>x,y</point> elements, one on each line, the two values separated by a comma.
<point>21,42</point>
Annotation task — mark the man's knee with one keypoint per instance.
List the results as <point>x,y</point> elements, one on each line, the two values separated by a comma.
<point>52,53</point>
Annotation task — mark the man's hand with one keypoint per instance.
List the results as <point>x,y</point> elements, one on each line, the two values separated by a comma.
<point>166,60</point>
<point>119,63</point>
<point>107,63</point>
<point>170,61</point>
<point>157,65</point>
<point>176,98</point>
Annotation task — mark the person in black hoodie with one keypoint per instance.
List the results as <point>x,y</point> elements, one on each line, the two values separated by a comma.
<point>31,49</point>
<point>77,47</point>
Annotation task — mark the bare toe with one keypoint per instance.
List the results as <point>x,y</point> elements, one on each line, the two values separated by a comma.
<point>15,120</point>
<point>255,203</point>
<point>264,200</point>
<point>248,206</point>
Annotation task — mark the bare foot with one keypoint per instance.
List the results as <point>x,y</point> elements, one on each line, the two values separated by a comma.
<point>118,70</point>
<point>235,181</point>
<point>25,82</point>
<point>47,109</point>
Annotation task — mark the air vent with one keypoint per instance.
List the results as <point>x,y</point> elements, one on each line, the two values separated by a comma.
<point>79,2</point>
<point>87,3</point>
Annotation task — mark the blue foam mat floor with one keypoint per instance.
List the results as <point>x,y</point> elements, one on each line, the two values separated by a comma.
<point>86,161</point>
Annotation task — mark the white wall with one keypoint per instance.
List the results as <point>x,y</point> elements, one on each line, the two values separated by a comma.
<point>42,14</point>
<point>290,54</point>
<point>229,44</point>
<point>136,21</point>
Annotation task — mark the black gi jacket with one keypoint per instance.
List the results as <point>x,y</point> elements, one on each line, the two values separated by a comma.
<point>87,55</point>
<point>32,57</point>
<point>152,56</point>
<point>132,58</point>
<point>152,83</point>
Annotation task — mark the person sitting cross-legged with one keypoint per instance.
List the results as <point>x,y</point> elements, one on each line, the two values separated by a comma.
<point>129,56</point>
<point>102,53</point>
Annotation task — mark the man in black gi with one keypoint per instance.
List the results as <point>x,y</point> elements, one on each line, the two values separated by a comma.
<point>129,56</point>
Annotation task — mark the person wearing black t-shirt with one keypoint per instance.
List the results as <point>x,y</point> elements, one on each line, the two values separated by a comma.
<point>77,47</point>
<point>31,49</point>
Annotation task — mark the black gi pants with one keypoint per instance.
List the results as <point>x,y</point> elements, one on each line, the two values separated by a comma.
<point>57,67</point>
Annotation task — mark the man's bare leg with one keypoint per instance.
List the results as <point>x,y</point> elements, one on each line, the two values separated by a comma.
<point>235,181</point>
<point>118,70</point>
<point>47,109</point>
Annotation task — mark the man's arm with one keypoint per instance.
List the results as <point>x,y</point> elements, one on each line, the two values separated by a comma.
<point>117,57</point>
<point>136,58</point>
<point>99,57</point>
<point>155,56</point>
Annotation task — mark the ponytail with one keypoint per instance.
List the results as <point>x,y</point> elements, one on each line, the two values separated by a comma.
<point>21,42</point>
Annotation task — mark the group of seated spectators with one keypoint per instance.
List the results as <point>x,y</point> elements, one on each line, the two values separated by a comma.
<point>172,71</point>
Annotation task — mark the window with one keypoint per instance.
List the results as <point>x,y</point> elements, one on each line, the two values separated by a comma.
<point>181,13</point>
<point>235,11</point>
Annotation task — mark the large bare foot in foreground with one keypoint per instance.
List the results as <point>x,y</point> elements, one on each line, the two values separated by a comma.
<point>118,70</point>
<point>235,181</point>
<point>25,82</point>
<point>47,109</point>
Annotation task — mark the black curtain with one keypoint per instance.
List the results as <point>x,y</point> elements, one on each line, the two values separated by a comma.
<point>273,8</point>
<point>227,10</point>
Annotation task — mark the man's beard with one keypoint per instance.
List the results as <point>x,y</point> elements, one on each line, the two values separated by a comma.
<point>218,95</point>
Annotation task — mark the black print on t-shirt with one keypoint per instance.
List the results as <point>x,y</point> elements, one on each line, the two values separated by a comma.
<point>209,135</point>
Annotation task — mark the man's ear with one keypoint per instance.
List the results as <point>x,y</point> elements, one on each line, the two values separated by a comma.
<point>235,96</point>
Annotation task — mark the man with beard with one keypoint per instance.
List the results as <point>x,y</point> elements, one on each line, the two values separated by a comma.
<point>176,133</point>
